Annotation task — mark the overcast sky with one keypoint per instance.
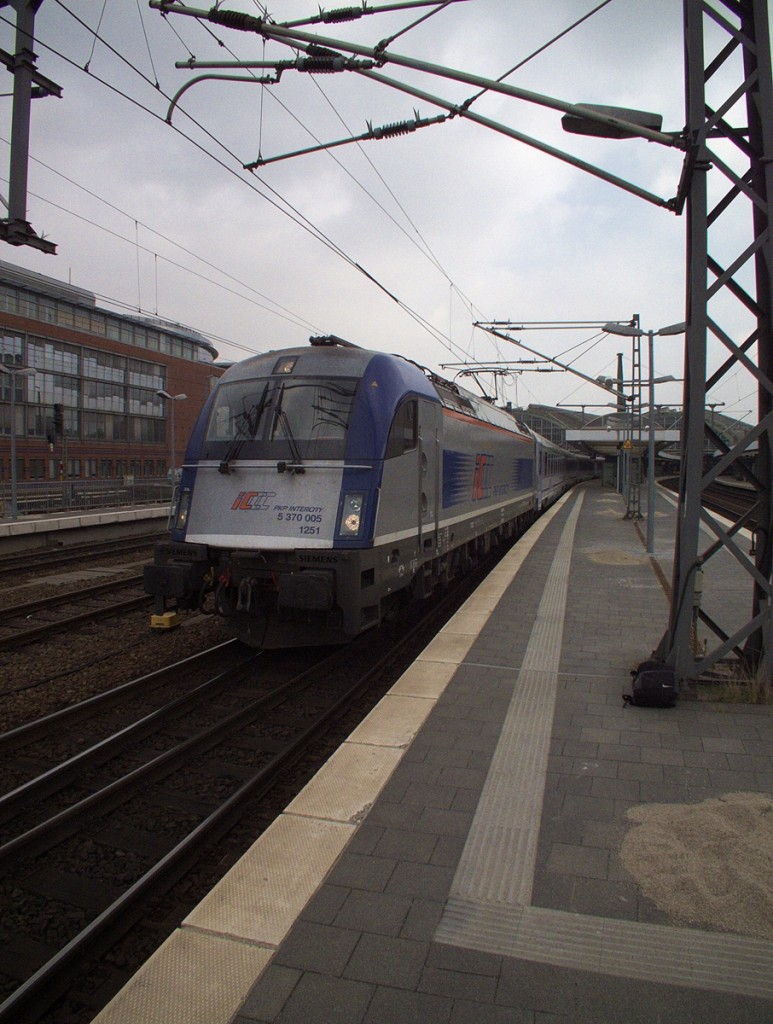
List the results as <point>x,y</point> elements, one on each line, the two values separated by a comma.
<point>399,244</point>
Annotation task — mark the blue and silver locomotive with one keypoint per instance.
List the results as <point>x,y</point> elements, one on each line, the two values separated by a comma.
<point>323,486</point>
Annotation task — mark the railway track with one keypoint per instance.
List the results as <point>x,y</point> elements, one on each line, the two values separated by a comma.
<point>89,844</point>
<point>58,612</point>
<point>143,801</point>
<point>734,501</point>
<point>54,558</point>
<point>54,738</point>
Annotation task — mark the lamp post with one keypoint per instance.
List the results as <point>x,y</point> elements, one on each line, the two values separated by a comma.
<point>626,330</point>
<point>171,399</point>
<point>13,372</point>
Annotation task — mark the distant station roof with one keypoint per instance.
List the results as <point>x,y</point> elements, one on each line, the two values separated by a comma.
<point>605,435</point>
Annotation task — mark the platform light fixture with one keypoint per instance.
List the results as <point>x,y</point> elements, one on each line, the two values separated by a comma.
<point>171,399</point>
<point>13,372</point>
<point>629,331</point>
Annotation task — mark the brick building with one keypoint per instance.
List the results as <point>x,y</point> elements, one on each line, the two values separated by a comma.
<point>91,409</point>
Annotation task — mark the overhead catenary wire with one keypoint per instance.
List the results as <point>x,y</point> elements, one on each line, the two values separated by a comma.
<point>275,199</point>
<point>356,264</point>
<point>285,313</point>
<point>424,246</point>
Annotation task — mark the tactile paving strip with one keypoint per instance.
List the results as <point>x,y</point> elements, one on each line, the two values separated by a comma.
<point>489,904</point>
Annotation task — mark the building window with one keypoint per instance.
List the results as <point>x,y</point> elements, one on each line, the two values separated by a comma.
<point>11,350</point>
<point>37,469</point>
<point>147,375</point>
<point>104,366</point>
<point>147,431</point>
<point>53,355</point>
<point>65,314</point>
<point>107,397</point>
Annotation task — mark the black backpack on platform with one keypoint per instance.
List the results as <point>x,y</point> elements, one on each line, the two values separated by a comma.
<point>654,685</point>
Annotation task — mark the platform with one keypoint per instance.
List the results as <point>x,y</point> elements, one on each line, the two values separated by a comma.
<point>460,859</point>
<point>59,529</point>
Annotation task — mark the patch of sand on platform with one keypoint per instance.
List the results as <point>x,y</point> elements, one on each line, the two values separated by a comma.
<point>707,864</point>
<point>615,556</point>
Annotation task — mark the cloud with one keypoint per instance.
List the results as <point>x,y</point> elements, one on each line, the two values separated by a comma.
<point>455,220</point>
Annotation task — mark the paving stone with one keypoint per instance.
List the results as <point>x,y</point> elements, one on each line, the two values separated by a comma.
<point>610,898</point>
<point>401,844</point>
<point>384,960</point>
<point>641,772</point>
<point>448,850</point>
<point>458,984</point>
<point>465,1012</point>
<point>325,904</point>
<point>391,1006</point>
<point>268,997</point>
<point>723,745</point>
<point>456,958</point>
<point>440,821</point>
<point>658,755</point>
<point>428,881</point>
<point>374,912</point>
<point>423,919</point>
<point>325,949</point>
<point>319,998</point>
<point>358,872</point>
<point>616,789</point>
<point>582,861</point>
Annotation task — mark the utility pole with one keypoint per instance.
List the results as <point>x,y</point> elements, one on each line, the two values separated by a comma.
<point>729,105</point>
<point>744,60</point>
<point>28,84</point>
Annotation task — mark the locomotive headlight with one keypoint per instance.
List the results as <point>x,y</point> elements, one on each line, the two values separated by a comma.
<point>183,504</point>
<point>351,518</point>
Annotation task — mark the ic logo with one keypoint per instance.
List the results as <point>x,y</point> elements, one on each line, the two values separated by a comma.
<point>481,484</point>
<point>252,501</point>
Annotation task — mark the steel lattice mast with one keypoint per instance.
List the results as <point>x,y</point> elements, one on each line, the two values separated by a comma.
<point>728,144</point>
<point>727,166</point>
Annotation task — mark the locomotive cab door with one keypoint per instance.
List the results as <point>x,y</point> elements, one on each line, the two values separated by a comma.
<point>428,483</point>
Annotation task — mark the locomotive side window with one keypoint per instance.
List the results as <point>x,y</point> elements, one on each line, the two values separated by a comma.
<point>403,434</point>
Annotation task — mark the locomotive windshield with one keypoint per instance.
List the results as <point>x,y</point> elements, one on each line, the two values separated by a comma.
<point>280,419</point>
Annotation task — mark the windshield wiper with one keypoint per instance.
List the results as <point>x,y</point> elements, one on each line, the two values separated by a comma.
<point>297,464</point>
<point>248,428</point>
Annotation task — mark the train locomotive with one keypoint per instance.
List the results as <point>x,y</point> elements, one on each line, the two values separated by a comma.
<point>324,486</point>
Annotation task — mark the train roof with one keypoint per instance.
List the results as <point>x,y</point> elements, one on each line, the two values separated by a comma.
<point>332,355</point>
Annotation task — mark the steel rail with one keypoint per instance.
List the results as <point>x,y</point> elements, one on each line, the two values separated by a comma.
<point>41,604</point>
<point>51,781</point>
<point>26,636</point>
<point>42,727</point>
<point>51,980</point>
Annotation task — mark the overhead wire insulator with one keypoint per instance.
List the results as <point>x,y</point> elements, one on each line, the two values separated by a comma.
<point>313,50</point>
<point>398,128</point>
<point>342,14</point>
<point>235,19</point>
<point>322,65</point>
<point>404,127</point>
<point>322,61</point>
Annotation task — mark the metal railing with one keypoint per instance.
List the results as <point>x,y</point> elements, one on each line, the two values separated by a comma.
<point>46,497</point>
